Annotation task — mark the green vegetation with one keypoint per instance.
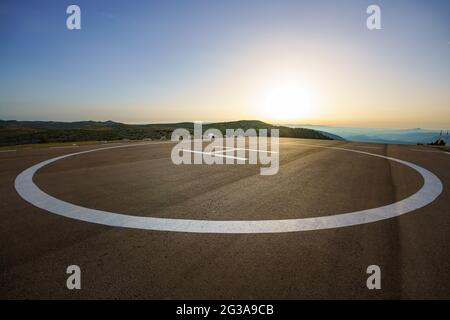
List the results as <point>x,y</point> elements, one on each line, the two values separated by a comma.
<point>32,132</point>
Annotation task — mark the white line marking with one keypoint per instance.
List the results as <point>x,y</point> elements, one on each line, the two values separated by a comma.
<point>30,192</point>
<point>228,149</point>
<point>215,147</point>
<point>223,150</point>
<point>214,154</point>
<point>8,150</point>
<point>255,150</point>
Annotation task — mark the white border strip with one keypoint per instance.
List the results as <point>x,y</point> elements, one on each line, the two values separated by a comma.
<point>27,189</point>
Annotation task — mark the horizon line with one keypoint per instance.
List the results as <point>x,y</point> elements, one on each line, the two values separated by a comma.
<point>210,122</point>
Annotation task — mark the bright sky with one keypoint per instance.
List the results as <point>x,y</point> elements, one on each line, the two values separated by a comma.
<point>219,60</point>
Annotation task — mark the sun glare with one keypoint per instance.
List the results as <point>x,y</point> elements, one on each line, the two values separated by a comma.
<point>289,101</point>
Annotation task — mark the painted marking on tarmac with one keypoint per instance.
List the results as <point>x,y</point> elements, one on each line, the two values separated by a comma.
<point>224,151</point>
<point>30,192</point>
<point>229,149</point>
<point>214,154</point>
<point>255,150</point>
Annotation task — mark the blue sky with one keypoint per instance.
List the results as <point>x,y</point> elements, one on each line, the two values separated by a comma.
<point>158,61</point>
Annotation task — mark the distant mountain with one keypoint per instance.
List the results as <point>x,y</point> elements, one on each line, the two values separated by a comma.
<point>331,136</point>
<point>25,132</point>
<point>398,136</point>
<point>56,124</point>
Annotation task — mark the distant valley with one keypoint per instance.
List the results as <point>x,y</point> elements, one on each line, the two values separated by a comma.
<point>380,135</point>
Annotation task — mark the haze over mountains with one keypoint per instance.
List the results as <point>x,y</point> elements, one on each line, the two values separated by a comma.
<point>380,135</point>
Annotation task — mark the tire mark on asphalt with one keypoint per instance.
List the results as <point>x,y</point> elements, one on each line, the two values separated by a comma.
<point>396,243</point>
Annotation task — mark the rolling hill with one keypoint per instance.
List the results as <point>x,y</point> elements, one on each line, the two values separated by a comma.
<point>14,132</point>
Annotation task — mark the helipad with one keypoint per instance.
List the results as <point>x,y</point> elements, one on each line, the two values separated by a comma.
<point>29,191</point>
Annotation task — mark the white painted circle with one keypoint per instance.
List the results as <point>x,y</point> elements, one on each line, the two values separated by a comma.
<point>27,189</point>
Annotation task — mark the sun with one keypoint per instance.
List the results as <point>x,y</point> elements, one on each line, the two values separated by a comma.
<point>287,101</point>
